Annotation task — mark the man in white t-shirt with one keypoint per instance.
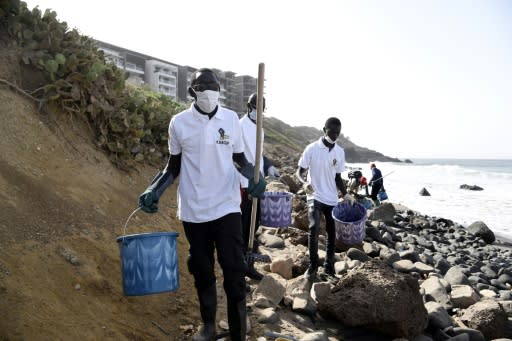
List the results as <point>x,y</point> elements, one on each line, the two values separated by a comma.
<point>248,125</point>
<point>206,150</point>
<point>324,161</point>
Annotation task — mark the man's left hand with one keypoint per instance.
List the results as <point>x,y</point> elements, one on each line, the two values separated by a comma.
<point>256,190</point>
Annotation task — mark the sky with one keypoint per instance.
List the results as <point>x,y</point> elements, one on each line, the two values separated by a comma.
<point>409,79</point>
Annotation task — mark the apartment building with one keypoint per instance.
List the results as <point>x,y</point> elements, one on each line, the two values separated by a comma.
<point>173,80</point>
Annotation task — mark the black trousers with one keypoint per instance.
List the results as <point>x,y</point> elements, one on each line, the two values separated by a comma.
<point>246,207</point>
<point>375,189</point>
<point>225,236</point>
<point>315,209</point>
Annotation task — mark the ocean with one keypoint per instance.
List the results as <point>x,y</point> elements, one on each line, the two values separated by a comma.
<point>442,178</point>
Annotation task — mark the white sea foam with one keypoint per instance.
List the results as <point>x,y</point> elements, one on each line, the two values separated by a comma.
<point>493,205</point>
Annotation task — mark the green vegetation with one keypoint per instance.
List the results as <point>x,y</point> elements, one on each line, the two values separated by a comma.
<point>130,123</point>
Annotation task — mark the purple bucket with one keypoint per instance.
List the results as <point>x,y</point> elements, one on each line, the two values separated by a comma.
<point>276,209</point>
<point>350,232</point>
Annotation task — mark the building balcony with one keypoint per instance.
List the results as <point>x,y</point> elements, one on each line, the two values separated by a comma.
<point>131,67</point>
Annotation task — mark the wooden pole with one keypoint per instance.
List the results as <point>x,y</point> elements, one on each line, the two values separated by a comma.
<point>257,161</point>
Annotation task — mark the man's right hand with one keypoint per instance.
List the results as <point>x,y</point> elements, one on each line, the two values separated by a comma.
<point>148,201</point>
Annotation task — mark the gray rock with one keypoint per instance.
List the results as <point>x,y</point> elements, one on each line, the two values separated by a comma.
<point>455,276</point>
<point>268,315</point>
<point>400,312</point>
<point>404,265</point>
<point>478,228</point>
<point>488,317</point>
<point>435,291</point>
<point>474,335</point>
<point>460,337</point>
<point>269,240</point>
<point>356,254</point>
<point>462,296</point>
<point>424,192</point>
<point>271,289</point>
<point>438,317</point>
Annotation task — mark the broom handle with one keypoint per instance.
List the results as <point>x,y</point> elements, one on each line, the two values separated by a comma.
<point>257,163</point>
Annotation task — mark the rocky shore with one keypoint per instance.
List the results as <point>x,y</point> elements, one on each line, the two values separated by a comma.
<point>414,277</point>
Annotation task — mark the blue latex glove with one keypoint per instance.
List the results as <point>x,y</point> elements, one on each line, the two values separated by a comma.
<point>148,201</point>
<point>256,190</point>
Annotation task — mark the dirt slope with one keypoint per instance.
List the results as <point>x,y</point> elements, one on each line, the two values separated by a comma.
<point>61,198</point>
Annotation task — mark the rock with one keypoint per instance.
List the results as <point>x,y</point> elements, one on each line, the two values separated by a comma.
<point>269,240</point>
<point>320,290</point>
<point>435,291</point>
<point>455,276</point>
<point>404,265</point>
<point>474,335</point>
<point>268,315</point>
<point>271,288</point>
<point>389,256</point>
<point>486,316</point>
<point>463,296</point>
<point>471,187</point>
<point>315,336</point>
<point>356,254</point>
<point>282,265</point>
<point>438,317</point>
<point>68,255</point>
<point>424,192</point>
<point>304,304</point>
<point>290,181</point>
<point>385,213</point>
<point>479,229</point>
<point>423,268</point>
<point>399,312</point>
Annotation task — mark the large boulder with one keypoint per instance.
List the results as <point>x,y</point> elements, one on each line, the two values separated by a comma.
<point>377,297</point>
<point>479,229</point>
<point>385,212</point>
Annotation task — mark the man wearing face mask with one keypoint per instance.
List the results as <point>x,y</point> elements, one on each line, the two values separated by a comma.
<point>324,161</point>
<point>248,124</point>
<point>206,150</point>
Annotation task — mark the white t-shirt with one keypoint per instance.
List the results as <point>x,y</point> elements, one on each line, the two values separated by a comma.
<point>209,186</point>
<point>322,166</point>
<point>249,140</point>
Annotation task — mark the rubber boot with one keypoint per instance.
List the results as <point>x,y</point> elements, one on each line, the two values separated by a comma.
<point>329,268</point>
<point>208,309</point>
<point>252,273</point>
<point>310,273</point>
<point>237,320</point>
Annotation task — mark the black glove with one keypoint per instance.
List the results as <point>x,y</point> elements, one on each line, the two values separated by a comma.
<point>256,190</point>
<point>148,201</point>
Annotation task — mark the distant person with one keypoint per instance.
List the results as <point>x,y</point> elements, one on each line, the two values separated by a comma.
<point>324,161</point>
<point>248,125</point>
<point>356,183</point>
<point>206,150</point>
<point>376,182</point>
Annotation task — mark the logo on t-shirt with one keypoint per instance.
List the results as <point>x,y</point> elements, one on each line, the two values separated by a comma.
<point>334,162</point>
<point>223,137</point>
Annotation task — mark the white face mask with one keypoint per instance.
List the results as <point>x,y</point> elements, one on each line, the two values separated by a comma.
<point>253,115</point>
<point>328,139</point>
<point>207,100</point>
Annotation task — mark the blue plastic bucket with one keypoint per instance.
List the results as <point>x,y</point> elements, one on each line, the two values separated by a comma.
<point>276,209</point>
<point>350,232</point>
<point>149,263</point>
<point>382,195</point>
